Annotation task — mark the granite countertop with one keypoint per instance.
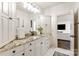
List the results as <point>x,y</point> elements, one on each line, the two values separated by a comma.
<point>16,43</point>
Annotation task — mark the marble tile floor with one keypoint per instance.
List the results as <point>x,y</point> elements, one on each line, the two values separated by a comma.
<point>52,51</point>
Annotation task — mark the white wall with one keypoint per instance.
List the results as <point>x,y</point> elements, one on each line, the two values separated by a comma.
<point>59,10</point>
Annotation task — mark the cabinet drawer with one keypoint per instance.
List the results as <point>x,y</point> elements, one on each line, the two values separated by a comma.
<point>26,45</point>
<point>22,53</point>
<point>18,49</point>
<point>30,51</point>
<point>30,44</point>
<point>7,53</point>
<point>13,51</point>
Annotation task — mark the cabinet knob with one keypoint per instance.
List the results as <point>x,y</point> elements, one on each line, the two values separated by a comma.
<point>13,51</point>
<point>72,36</point>
<point>30,50</point>
<point>23,54</point>
<point>41,42</point>
<point>30,43</point>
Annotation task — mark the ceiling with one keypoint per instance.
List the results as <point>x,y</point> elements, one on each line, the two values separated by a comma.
<point>43,5</point>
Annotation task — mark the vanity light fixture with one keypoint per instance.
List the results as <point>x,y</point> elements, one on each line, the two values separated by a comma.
<point>31,7</point>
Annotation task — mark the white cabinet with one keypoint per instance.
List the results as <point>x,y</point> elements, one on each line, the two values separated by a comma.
<point>7,53</point>
<point>30,49</point>
<point>35,48</point>
<point>8,29</point>
<point>12,29</point>
<point>13,52</point>
<point>5,27</point>
<point>1,31</point>
<point>18,49</point>
<point>26,45</point>
<point>0,7</point>
<point>12,9</point>
<point>21,33</point>
<point>43,46</point>
<point>9,8</point>
<point>5,8</point>
<point>37,51</point>
<point>21,53</point>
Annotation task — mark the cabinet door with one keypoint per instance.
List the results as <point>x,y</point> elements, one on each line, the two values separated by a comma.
<point>21,53</point>
<point>43,46</point>
<point>37,44</point>
<point>12,29</point>
<point>7,53</point>
<point>12,9</point>
<point>0,7</point>
<point>21,33</point>
<point>27,45</point>
<point>1,30</point>
<point>18,49</point>
<point>48,24</point>
<point>30,50</point>
<point>46,43</point>
<point>5,8</point>
<point>5,29</point>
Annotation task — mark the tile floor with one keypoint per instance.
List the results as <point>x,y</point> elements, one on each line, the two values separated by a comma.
<point>64,51</point>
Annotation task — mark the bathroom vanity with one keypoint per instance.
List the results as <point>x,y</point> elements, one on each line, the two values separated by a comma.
<point>31,46</point>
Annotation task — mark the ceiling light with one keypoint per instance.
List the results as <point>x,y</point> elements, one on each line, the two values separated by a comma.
<point>25,5</point>
<point>31,7</point>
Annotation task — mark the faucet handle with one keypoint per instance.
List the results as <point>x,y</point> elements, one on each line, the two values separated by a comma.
<point>17,37</point>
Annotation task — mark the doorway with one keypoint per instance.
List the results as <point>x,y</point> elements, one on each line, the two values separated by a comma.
<point>65,31</point>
